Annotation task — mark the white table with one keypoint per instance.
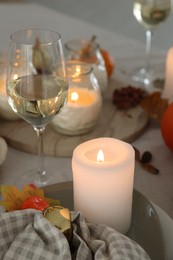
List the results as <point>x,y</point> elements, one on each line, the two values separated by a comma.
<point>157,188</point>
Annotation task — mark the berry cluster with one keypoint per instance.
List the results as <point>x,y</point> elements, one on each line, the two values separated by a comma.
<point>128,97</point>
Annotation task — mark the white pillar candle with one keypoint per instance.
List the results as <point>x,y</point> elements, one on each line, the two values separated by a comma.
<point>168,87</point>
<point>80,113</point>
<point>103,188</point>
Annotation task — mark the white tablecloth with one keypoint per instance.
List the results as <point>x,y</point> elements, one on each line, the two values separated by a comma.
<point>128,53</point>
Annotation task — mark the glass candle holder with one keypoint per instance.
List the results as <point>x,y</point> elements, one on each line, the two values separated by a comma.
<point>83,107</point>
<point>89,52</point>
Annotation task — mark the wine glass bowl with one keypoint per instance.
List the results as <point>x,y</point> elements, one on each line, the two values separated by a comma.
<point>149,13</point>
<point>38,93</point>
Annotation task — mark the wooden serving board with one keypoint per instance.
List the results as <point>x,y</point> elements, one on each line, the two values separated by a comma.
<point>113,123</point>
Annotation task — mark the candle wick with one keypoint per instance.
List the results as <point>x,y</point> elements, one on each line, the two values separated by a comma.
<point>100,161</point>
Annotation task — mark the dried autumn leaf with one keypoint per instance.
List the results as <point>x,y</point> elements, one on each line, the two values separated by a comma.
<point>13,197</point>
<point>154,105</point>
<point>41,58</point>
<point>150,168</point>
<point>52,202</point>
<point>85,52</point>
<point>30,191</point>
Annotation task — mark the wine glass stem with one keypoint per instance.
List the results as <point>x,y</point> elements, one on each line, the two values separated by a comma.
<point>148,49</point>
<point>41,173</point>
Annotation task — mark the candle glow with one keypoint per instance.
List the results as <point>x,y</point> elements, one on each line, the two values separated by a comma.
<point>74,96</point>
<point>15,76</point>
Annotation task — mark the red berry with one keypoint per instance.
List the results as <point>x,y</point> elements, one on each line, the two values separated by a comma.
<point>34,202</point>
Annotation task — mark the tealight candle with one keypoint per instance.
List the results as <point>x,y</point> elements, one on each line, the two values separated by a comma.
<point>103,173</point>
<point>168,87</point>
<point>84,102</point>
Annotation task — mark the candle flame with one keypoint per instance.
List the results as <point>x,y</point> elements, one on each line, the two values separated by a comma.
<point>15,76</point>
<point>74,96</point>
<point>100,156</point>
<point>77,72</point>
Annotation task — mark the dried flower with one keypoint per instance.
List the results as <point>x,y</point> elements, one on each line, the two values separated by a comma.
<point>41,58</point>
<point>145,160</point>
<point>154,105</point>
<point>13,197</point>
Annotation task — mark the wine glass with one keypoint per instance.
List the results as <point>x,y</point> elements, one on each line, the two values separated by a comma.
<point>149,13</point>
<point>36,90</point>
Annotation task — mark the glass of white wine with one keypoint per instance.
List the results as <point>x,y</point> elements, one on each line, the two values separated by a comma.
<point>36,92</point>
<point>149,13</point>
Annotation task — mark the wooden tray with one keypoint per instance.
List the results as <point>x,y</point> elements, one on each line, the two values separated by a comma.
<point>113,123</point>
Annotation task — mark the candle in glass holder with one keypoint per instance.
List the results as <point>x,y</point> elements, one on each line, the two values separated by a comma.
<point>103,173</point>
<point>83,107</point>
<point>88,51</point>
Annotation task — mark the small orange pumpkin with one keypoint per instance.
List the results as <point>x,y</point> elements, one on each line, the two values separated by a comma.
<point>109,62</point>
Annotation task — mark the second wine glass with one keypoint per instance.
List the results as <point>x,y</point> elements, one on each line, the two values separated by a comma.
<point>149,13</point>
<point>36,92</point>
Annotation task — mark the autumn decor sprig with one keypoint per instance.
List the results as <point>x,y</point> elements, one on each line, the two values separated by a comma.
<point>29,197</point>
<point>154,105</point>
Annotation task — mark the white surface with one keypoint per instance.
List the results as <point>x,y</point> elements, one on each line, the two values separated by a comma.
<point>128,53</point>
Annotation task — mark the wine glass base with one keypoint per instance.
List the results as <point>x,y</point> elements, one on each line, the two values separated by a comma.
<point>144,78</point>
<point>131,72</point>
<point>32,177</point>
<point>148,79</point>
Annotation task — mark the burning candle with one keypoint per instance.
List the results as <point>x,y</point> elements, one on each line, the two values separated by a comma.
<point>103,173</point>
<point>84,102</point>
<point>81,112</point>
<point>168,87</point>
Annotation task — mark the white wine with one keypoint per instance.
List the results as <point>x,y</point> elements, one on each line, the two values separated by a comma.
<point>150,15</point>
<point>37,98</point>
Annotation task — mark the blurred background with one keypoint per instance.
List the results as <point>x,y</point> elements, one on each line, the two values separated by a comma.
<point>115,15</point>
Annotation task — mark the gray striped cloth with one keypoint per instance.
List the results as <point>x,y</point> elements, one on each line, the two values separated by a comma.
<point>26,234</point>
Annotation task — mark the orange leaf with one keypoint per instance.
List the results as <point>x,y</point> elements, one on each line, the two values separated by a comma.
<point>13,198</point>
<point>154,105</point>
<point>30,191</point>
